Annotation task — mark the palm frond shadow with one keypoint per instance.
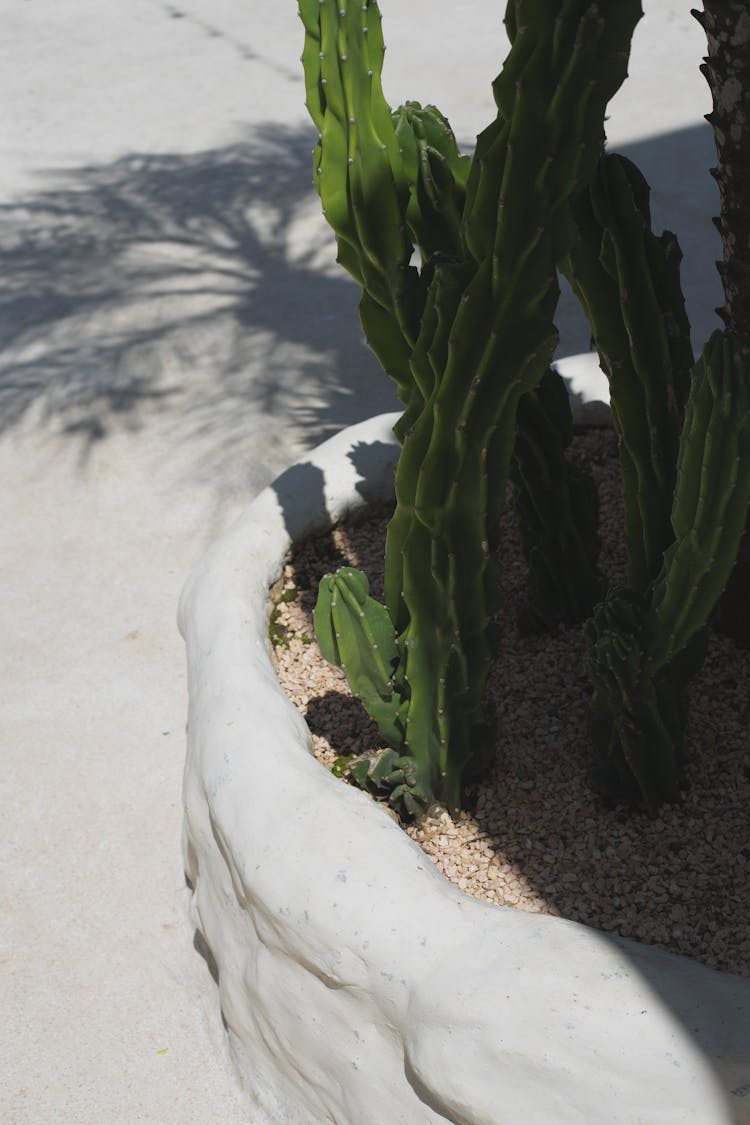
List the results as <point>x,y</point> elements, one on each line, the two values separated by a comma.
<point>200,284</point>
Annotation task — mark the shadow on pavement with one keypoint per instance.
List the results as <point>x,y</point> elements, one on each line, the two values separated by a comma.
<point>200,283</point>
<point>204,285</point>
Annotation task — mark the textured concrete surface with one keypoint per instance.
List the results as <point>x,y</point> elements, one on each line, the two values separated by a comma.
<point>172,333</point>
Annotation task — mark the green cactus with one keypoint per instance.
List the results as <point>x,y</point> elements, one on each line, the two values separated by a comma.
<point>469,333</point>
<point>685,463</point>
<point>557,508</point>
<point>628,282</point>
<point>393,777</point>
<point>726,68</point>
<point>355,633</point>
<point>642,647</point>
<point>488,336</point>
<point>436,173</point>
<point>359,174</point>
<point>711,497</point>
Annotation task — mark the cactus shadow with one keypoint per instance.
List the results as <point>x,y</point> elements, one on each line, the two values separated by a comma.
<point>341,719</point>
<point>300,493</point>
<point>374,465</point>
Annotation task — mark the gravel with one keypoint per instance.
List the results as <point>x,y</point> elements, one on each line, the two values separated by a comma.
<point>534,836</point>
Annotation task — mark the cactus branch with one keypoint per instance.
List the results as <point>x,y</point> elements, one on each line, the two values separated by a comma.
<point>727,71</point>
<point>628,282</point>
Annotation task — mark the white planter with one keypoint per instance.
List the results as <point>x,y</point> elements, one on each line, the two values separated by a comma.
<point>358,985</point>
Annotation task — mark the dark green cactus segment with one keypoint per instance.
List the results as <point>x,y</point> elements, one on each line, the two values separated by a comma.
<point>711,499</point>
<point>628,282</point>
<point>392,777</point>
<point>355,633</point>
<point>614,646</point>
<point>558,511</point>
<point>437,174</point>
<point>553,91</point>
<point>636,718</point>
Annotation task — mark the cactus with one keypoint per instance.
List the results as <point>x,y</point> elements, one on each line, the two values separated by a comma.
<point>710,493</point>
<point>726,68</point>
<point>436,173</point>
<point>727,71</point>
<point>394,777</point>
<point>641,652</point>
<point>711,497</point>
<point>465,335</point>
<point>355,633</point>
<point>627,280</point>
<point>557,509</point>
<point>685,462</point>
<point>634,717</point>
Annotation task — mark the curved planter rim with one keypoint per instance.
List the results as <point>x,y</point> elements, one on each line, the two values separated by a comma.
<point>357,984</point>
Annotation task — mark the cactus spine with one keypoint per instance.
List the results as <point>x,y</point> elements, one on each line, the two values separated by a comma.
<point>469,333</point>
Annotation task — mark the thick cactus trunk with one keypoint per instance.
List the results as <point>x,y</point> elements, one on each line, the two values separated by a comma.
<point>487,337</point>
<point>727,71</point>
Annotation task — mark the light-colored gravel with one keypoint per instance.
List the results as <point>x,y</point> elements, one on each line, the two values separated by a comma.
<point>535,836</point>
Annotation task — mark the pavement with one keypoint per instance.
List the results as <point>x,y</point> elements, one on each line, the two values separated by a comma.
<point>173,331</point>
